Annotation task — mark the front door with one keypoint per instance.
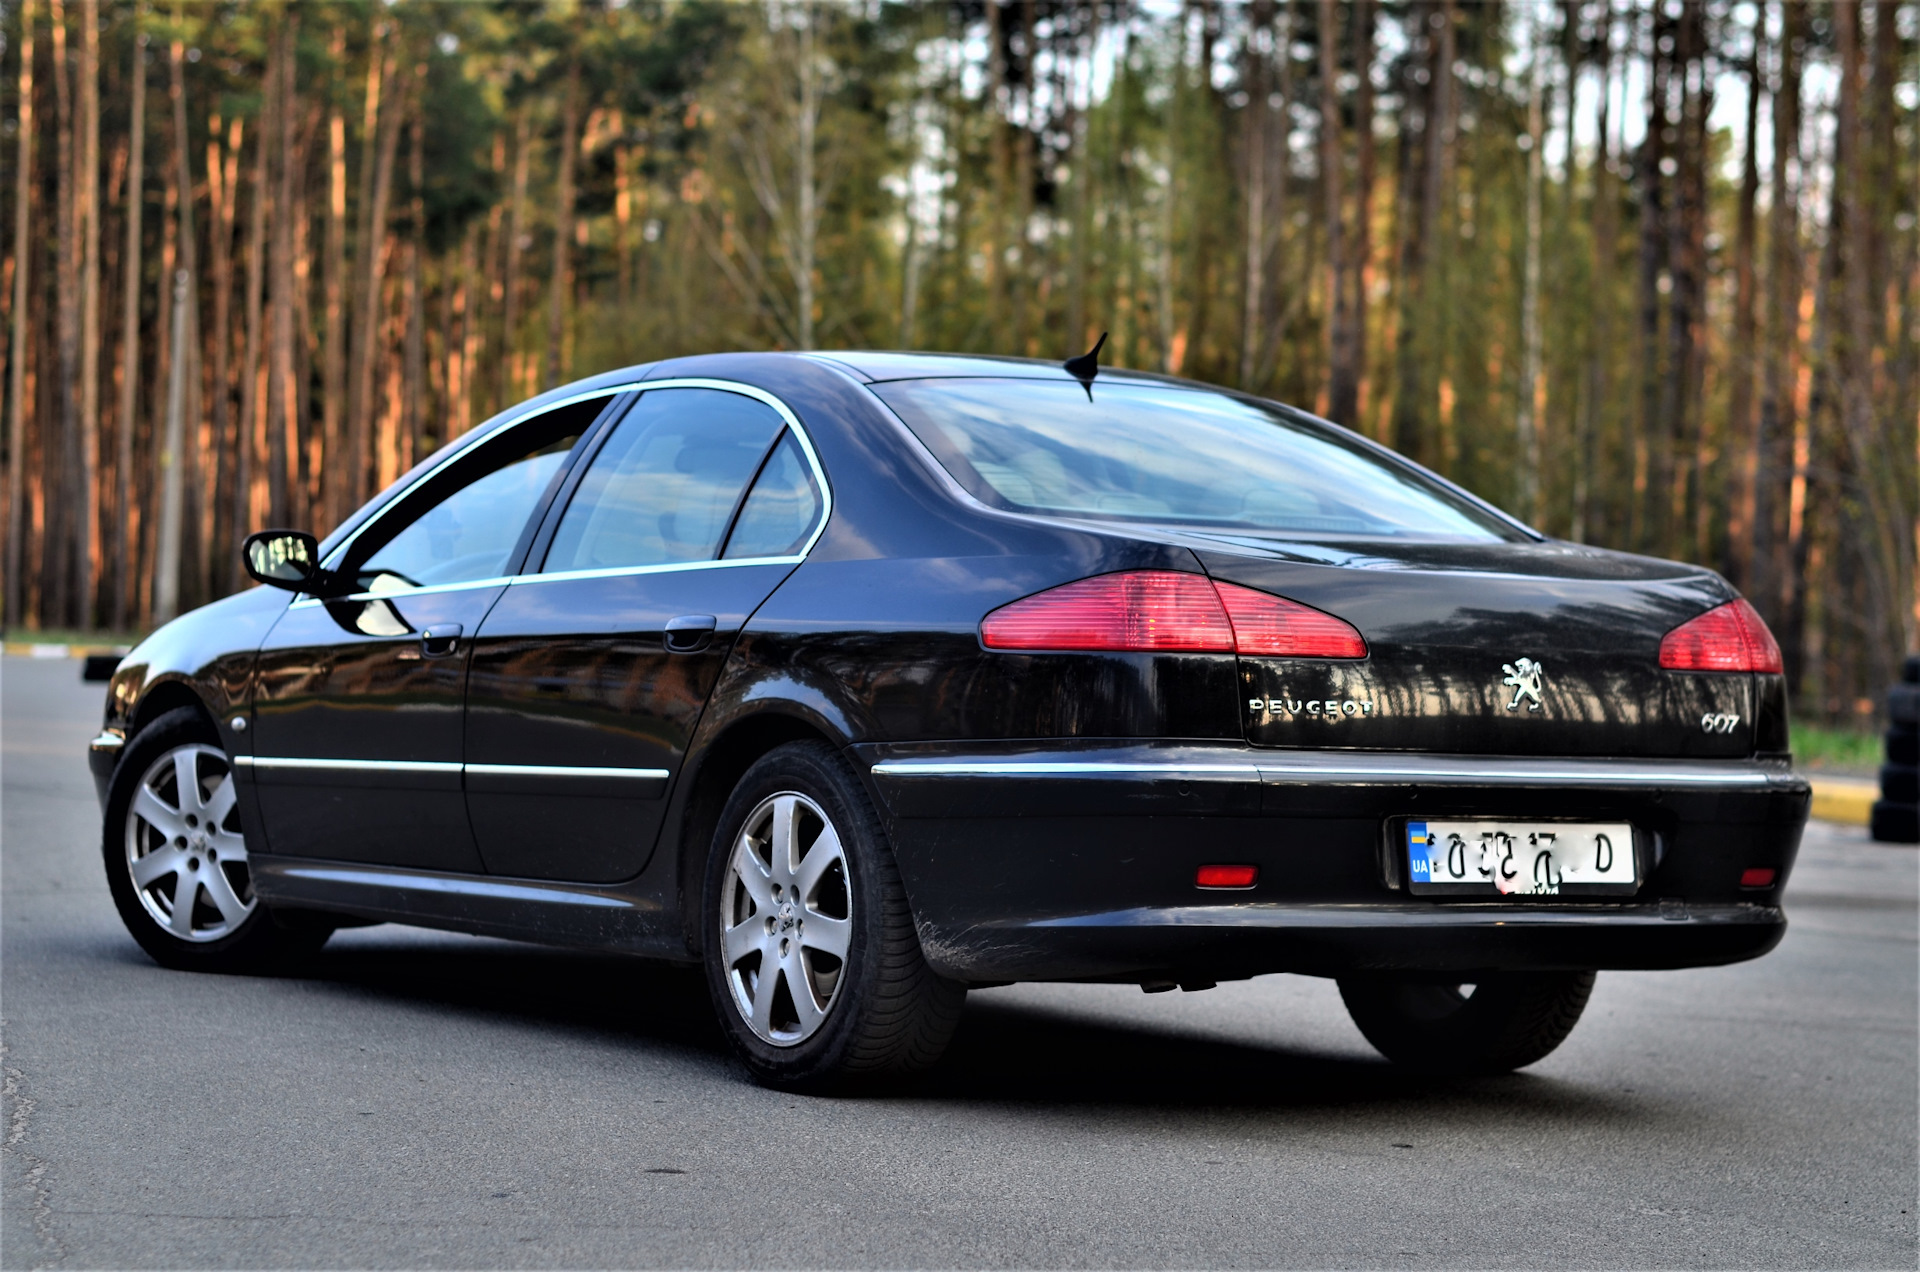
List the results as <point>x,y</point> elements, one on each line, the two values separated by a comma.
<point>589,675</point>
<point>359,700</point>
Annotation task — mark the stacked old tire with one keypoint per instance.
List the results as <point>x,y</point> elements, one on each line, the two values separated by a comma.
<point>1896,815</point>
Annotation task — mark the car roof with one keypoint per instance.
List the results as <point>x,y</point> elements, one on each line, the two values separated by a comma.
<point>877,366</point>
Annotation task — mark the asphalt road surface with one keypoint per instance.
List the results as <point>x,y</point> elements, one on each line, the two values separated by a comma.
<point>424,1100</point>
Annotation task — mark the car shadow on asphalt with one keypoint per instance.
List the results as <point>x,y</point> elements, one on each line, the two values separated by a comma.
<point>1008,1052</point>
<point>1003,1052</point>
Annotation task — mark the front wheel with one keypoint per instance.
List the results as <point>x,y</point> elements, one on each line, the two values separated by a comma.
<point>1500,1022</point>
<point>811,956</point>
<point>176,860</point>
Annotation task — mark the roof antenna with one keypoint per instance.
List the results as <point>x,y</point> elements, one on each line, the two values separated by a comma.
<point>1086,366</point>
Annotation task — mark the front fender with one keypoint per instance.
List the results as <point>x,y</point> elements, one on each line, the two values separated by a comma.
<point>202,659</point>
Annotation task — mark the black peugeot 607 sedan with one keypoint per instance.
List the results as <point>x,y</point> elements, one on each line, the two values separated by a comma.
<point>864,678</point>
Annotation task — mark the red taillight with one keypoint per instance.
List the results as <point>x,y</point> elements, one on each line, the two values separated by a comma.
<point>1226,876</point>
<point>1756,877</point>
<point>1155,611</point>
<point>1732,637</point>
<point>1274,625</point>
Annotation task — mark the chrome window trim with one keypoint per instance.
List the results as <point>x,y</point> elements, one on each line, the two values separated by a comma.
<point>672,567</point>
<point>565,770</point>
<point>806,447</point>
<point>453,456</point>
<point>305,602</point>
<point>780,408</point>
<point>447,766</point>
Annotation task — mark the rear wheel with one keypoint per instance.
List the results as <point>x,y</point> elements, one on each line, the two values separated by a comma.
<point>177,863</point>
<point>1500,1022</point>
<point>811,956</point>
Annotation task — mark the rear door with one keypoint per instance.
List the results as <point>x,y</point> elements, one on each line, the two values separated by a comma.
<point>589,675</point>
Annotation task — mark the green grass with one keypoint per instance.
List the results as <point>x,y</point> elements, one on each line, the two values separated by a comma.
<point>1838,751</point>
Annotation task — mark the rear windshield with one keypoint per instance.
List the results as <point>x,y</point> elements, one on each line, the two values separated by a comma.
<point>1164,454</point>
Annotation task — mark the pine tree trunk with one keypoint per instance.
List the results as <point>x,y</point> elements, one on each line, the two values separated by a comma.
<point>166,573</point>
<point>1601,291</point>
<point>1341,388</point>
<point>304,478</point>
<point>250,427</point>
<point>123,576</point>
<point>87,199</point>
<point>60,605</point>
<point>371,247</point>
<point>1743,356</point>
<point>1686,474</point>
<point>1652,440</point>
<point>187,338</point>
<point>282,426</point>
<point>1360,252</point>
<point>463,338</point>
<point>516,234</point>
<point>1255,147</point>
<point>224,162</point>
<point>177,459</point>
<point>1526,423</point>
<point>1785,283</point>
<point>560,286</point>
<point>415,354</point>
<point>1854,205</point>
<point>335,484</point>
<point>1419,354</point>
<point>23,252</point>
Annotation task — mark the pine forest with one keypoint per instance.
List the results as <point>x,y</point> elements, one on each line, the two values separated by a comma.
<point>1642,272</point>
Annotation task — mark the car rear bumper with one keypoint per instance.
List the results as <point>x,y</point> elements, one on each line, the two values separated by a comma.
<point>1078,861</point>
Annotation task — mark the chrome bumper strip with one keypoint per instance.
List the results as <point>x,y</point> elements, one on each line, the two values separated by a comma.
<point>1036,768</point>
<point>1344,769</point>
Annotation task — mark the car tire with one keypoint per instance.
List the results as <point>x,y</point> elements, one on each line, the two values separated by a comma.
<point>1503,1021</point>
<point>851,1002</point>
<point>171,839</point>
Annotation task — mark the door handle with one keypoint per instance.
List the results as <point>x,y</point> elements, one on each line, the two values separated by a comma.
<point>689,633</point>
<point>440,640</point>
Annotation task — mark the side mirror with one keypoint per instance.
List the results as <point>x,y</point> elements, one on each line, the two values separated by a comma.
<point>288,559</point>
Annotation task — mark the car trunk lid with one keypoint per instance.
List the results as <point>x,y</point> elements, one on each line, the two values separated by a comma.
<point>1494,649</point>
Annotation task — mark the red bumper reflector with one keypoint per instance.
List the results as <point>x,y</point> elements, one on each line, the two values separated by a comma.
<point>1757,877</point>
<point>1226,876</point>
<point>1730,637</point>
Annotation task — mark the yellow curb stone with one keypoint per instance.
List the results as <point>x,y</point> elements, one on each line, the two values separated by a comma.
<point>1839,800</point>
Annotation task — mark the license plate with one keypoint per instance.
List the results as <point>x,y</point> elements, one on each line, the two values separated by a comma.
<point>1523,859</point>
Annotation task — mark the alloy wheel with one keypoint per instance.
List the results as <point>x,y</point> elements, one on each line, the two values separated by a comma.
<point>786,918</point>
<point>184,848</point>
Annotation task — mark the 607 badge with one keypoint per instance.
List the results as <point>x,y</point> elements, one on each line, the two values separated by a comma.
<point>1519,858</point>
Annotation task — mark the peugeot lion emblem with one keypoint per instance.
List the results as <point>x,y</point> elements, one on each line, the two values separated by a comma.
<point>1523,677</point>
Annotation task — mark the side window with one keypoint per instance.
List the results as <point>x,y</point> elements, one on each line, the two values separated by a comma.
<point>665,485</point>
<point>463,526</point>
<point>780,510</point>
